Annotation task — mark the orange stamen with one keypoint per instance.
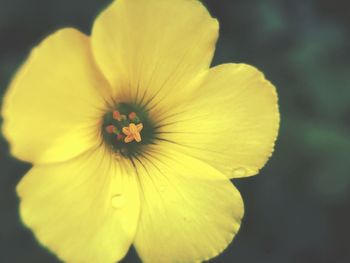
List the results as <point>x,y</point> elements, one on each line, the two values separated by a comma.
<point>110,129</point>
<point>132,116</point>
<point>133,132</point>
<point>117,116</point>
<point>120,137</point>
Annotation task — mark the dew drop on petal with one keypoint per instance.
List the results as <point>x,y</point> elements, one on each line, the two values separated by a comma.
<point>239,172</point>
<point>117,201</point>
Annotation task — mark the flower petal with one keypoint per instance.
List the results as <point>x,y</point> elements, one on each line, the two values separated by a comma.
<point>52,107</point>
<point>84,210</point>
<point>230,122</point>
<point>190,211</point>
<point>148,48</point>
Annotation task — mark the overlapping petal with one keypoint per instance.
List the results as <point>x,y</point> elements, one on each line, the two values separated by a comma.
<point>190,211</point>
<point>149,48</point>
<point>84,210</point>
<point>52,108</point>
<point>231,121</point>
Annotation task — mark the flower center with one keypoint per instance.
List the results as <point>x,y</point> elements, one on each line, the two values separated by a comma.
<point>127,128</point>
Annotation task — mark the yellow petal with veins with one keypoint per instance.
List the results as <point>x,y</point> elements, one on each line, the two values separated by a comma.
<point>148,48</point>
<point>52,108</point>
<point>190,211</point>
<point>231,121</point>
<point>84,210</point>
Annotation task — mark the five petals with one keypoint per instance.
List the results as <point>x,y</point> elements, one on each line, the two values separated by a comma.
<point>83,203</point>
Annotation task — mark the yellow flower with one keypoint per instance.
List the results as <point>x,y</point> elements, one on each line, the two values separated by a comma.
<point>134,139</point>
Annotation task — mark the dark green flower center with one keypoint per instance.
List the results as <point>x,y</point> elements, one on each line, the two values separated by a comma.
<point>127,128</point>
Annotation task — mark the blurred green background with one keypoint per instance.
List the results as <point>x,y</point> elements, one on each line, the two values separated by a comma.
<point>298,208</point>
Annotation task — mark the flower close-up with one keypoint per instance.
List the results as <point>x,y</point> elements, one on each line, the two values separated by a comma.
<point>134,138</point>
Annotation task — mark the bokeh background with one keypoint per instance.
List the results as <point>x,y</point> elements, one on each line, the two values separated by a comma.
<point>298,208</point>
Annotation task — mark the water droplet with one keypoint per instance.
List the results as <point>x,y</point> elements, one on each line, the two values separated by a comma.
<point>118,201</point>
<point>239,172</point>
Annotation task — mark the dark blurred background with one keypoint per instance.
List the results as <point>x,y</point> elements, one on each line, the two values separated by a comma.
<point>298,208</point>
